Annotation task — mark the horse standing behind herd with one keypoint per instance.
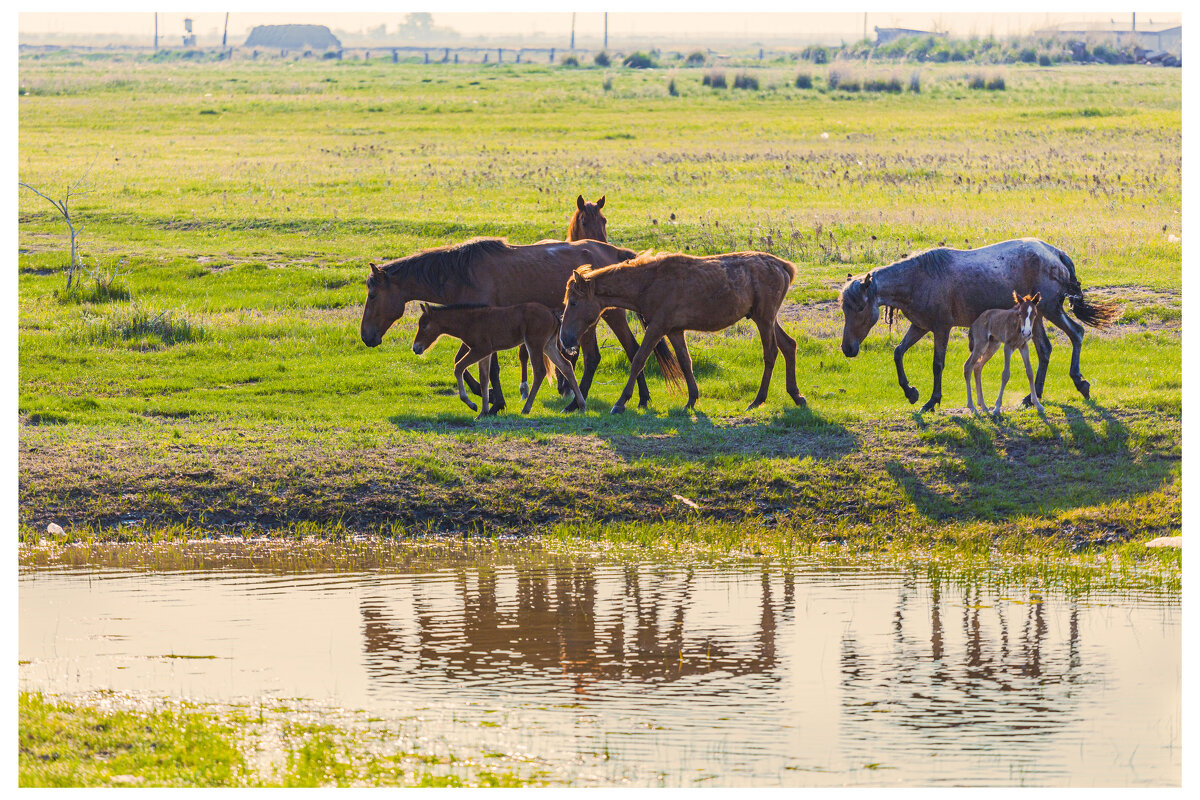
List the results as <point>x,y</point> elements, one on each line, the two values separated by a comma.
<point>672,293</point>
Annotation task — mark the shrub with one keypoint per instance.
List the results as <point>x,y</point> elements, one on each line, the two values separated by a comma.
<point>696,58</point>
<point>570,61</point>
<point>878,83</point>
<point>639,60</point>
<point>714,78</point>
<point>602,59</point>
<point>914,82</point>
<point>607,83</point>
<point>1027,55</point>
<point>816,54</point>
<point>804,81</point>
<point>744,80</point>
<point>142,325</point>
<point>1044,60</point>
<point>671,90</point>
<point>976,81</point>
<point>996,83</point>
<point>843,79</point>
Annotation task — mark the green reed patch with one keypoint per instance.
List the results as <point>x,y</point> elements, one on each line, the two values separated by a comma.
<point>140,326</point>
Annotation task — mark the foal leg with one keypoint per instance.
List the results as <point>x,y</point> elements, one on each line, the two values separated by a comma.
<point>523,355</point>
<point>1041,343</point>
<point>967,377</point>
<point>679,343</point>
<point>472,384</point>
<point>1008,351</point>
<point>485,368</point>
<point>787,345</point>
<point>591,359</point>
<point>985,351</point>
<point>940,340</point>
<point>564,369</point>
<point>911,337</point>
<point>461,365</point>
<point>1029,374</point>
<point>766,332</point>
<point>539,374</point>
<point>499,393</point>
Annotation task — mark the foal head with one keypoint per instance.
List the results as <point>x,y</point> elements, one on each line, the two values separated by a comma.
<point>384,306</point>
<point>428,329</point>
<point>581,309</point>
<point>860,304</point>
<point>1027,312</point>
<point>587,222</point>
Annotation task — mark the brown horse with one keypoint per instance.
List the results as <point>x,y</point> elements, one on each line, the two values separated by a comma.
<point>587,222</point>
<point>484,330</point>
<point>495,273</point>
<point>945,288</point>
<point>1012,328</point>
<point>675,293</point>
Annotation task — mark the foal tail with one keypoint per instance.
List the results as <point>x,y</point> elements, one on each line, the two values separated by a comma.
<point>667,365</point>
<point>1097,313</point>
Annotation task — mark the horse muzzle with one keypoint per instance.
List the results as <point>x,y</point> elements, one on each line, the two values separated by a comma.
<point>372,341</point>
<point>418,348</point>
<point>849,349</point>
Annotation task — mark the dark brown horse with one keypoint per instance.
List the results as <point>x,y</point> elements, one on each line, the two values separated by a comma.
<point>492,272</point>
<point>945,288</point>
<point>487,329</point>
<point>675,293</point>
<point>587,222</point>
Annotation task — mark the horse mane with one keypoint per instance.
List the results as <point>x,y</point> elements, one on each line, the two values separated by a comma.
<point>932,262</point>
<point>454,306</point>
<point>441,265</point>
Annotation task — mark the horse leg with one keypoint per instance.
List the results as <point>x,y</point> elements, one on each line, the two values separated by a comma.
<point>766,332</point>
<point>1041,343</point>
<point>679,343</point>
<point>967,377</point>
<point>495,380</point>
<point>523,355</point>
<point>461,365</point>
<point>539,374</point>
<point>564,368</point>
<point>1008,351</point>
<point>615,317</point>
<point>1074,332</point>
<point>940,340</point>
<point>1029,374</point>
<point>637,363</point>
<point>787,345</point>
<point>911,337</point>
<point>591,359</point>
<point>987,349</point>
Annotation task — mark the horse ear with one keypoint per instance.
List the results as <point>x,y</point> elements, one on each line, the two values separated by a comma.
<point>600,202</point>
<point>579,202</point>
<point>1037,298</point>
<point>424,307</point>
<point>1016,299</point>
<point>867,280</point>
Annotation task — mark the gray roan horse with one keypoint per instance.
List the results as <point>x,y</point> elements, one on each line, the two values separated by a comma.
<point>945,288</point>
<point>492,272</point>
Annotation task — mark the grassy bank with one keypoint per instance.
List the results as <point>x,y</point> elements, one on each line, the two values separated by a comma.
<point>223,388</point>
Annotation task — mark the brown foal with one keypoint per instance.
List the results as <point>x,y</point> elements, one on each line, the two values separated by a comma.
<point>1012,327</point>
<point>485,330</point>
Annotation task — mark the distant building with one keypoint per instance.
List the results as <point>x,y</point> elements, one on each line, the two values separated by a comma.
<point>293,37</point>
<point>1149,35</point>
<point>885,35</point>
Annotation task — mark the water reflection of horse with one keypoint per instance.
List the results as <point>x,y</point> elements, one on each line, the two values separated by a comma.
<point>557,625</point>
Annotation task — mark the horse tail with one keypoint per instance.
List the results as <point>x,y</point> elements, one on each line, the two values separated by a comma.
<point>1097,313</point>
<point>671,371</point>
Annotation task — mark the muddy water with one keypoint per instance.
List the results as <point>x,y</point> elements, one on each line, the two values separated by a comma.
<point>737,672</point>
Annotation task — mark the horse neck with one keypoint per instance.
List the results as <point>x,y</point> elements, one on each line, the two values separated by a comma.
<point>574,229</point>
<point>621,288</point>
<point>894,285</point>
<point>411,289</point>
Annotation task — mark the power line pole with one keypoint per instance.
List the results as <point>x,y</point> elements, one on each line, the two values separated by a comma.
<point>605,30</point>
<point>156,31</point>
<point>225,32</point>
<point>572,30</point>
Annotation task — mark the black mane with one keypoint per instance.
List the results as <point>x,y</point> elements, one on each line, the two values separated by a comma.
<point>933,262</point>
<point>441,265</point>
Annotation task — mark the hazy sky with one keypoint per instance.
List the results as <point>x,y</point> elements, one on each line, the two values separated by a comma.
<point>588,23</point>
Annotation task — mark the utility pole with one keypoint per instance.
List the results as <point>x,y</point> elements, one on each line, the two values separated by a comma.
<point>864,26</point>
<point>572,30</point>
<point>225,32</point>
<point>156,31</point>
<point>605,30</point>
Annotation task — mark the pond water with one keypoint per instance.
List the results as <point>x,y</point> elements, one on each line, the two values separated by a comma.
<point>737,672</point>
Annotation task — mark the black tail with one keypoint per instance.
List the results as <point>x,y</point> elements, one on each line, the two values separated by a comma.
<point>1098,314</point>
<point>667,365</point>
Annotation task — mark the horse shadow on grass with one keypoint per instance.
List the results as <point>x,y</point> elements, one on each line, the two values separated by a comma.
<point>1001,469</point>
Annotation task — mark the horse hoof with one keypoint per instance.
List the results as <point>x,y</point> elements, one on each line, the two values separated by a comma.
<point>799,400</point>
<point>617,410</point>
<point>1085,389</point>
<point>930,406</point>
<point>911,393</point>
<point>524,391</point>
<point>471,405</point>
<point>644,404</point>
<point>752,406</point>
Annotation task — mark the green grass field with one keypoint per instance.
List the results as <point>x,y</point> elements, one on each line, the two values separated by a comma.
<point>224,386</point>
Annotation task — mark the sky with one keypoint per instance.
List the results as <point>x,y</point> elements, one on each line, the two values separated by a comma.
<point>588,23</point>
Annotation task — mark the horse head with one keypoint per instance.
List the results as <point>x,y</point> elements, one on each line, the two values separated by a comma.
<point>427,330</point>
<point>860,303</point>
<point>1027,311</point>
<point>587,222</point>
<point>384,306</point>
<point>581,308</point>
